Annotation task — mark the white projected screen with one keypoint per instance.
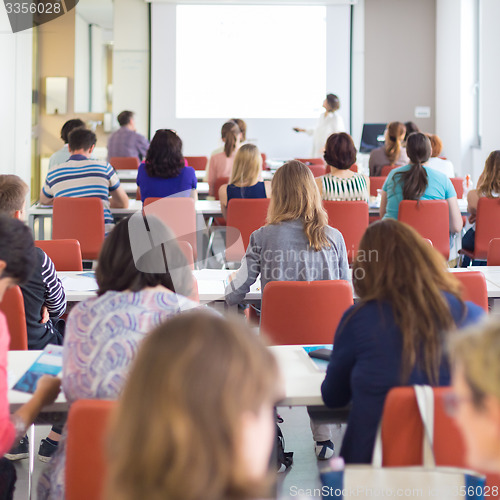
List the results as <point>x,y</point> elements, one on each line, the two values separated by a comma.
<point>250,60</point>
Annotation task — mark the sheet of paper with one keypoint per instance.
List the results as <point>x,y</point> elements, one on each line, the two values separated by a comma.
<point>79,283</point>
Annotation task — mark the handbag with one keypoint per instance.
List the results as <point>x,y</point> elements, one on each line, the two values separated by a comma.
<point>421,482</point>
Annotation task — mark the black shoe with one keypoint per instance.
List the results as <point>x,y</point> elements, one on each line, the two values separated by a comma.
<point>19,451</point>
<point>46,450</point>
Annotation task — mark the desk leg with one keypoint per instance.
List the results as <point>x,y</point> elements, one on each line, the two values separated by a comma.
<point>31,225</point>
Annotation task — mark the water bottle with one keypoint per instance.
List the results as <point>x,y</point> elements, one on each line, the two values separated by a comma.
<point>468,185</point>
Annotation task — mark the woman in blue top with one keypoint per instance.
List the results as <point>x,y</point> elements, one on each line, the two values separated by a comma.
<point>394,335</point>
<point>164,172</point>
<point>416,181</point>
<point>245,179</point>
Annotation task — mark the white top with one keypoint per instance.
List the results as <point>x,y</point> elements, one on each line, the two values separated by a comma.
<point>327,125</point>
<point>443,166</point>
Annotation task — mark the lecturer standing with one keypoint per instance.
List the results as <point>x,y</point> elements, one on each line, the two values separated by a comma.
<point>329,122</point>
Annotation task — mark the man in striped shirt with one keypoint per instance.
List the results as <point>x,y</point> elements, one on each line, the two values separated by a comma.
<point>81,177</point>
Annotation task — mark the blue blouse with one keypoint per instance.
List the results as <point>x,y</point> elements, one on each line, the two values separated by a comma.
<point>256,191</point>
<point>159,187</point>
<point>366,364</point>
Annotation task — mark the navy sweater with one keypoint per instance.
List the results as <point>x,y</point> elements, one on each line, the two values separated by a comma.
<point>366,364</point>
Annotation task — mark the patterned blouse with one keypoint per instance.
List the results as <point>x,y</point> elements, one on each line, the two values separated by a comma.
<point>345,189</point>
<point>101,340</point>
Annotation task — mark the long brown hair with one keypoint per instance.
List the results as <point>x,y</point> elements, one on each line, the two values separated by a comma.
<point>193,379</point>
<point>415,179</point>
<point>296,196</point>
<point>395,264</point>
<point>229,133</point>
<point>395,134</point>
<point>489,182</point>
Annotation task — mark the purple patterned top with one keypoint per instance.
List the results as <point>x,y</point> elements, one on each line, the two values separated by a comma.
<point>101,340</point>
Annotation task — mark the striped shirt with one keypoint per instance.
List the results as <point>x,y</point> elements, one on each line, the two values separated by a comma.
<point>344,189</point>
<point>81,177</point>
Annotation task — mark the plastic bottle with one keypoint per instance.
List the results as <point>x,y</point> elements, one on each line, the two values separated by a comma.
<point>468,185</point>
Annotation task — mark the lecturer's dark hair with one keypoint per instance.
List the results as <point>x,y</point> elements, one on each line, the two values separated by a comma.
<point>333,102</point>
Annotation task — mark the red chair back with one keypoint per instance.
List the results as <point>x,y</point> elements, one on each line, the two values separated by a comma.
<point>487,225</point>
<point>264,158</point>
<point>474,287</point>
<point>304,312</point>
<point>12,306</point>
<point>311,161</point>
<point>351,219</point>
<point>65,254</point>
<point>86,463</point>
<point>179,214</point>
<point>244,216</point>
<point>494,252</point>
<point>354,167</point>
<point>386,170</point>
<point>317,170</point>
<point>431,219</point>
<point>376,182</point>
<point>197,162</point>
<point>458,184</point>
<point>220,181</point>
<point>79,219</point>
<point>124,162</point>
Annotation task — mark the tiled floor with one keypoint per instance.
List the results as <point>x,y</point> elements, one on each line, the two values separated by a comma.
<point>303,474</point>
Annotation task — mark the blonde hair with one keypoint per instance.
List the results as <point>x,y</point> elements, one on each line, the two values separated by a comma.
<point>296,196</point>
<point>489,182</point>
<point>193,379</point>
<point>247,166</point>
<point>476,351</point>
<point>395,134</point>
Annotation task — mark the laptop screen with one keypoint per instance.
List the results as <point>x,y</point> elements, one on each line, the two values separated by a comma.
<point>372,137</point>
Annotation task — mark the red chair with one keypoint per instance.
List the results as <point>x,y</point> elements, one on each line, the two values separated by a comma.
<point>376,182</point>
<point>12,306</point>
<point>124,162</point>
<point>474,287</point>
<point>351,219</point>
<point>311,161</point>
<point>79,219</point>
<point>487,227</point>
<point>244,216</point>
<point>317,170</point>
<point>304,312</point>
<point>494,252</point>
<point>179,214</point>
<point>386,170</point>
<point>65,254</point>
<point>354,168</point>
<point>431,218</point>
<point>264,158</point>
<point>402,432</point>
<point>219,182</point>
<point>86,462</point>
<point>458,184</point>
<point>197,162</point>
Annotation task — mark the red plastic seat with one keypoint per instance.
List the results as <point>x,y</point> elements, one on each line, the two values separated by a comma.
<point>65,254</point>
<point>458,184</point>
<point>354,167</point>
<point>376,182</point>
<point>494,252</point>
<point>179,214</point>
<point>197,162</point>
<point>386,170</point>
<point>124,162</point>
<point>304,312</point>
<point>317,170</point>
<point>351,219</point>
<point>474,287</point>
<point>487,227</point>
<point>12,306</point>
<point>431,219</point>
<point>79,219</point>
<point>86,462</point>
<point>244,216</point>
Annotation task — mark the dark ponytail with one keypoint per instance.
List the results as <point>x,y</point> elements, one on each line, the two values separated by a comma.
<point>230,132</point>
<point>418,148</point>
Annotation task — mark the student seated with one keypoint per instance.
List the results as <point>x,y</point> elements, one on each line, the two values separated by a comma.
<point>126,141</point>
<point>394,334</point>
<point>245,179</point>
<point>342,184</point>
<point>17,262</point>
<point>164,173</point>
<point>44,304</point>
<point>437,163</point>
<point>392,152</point>
<point>83,177</point>
<point>221,164</point>
<point>209,386</point>
<point>135,295</point>
<point>417,181</point>
<point>63,154</point>
<point>488,186</point>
